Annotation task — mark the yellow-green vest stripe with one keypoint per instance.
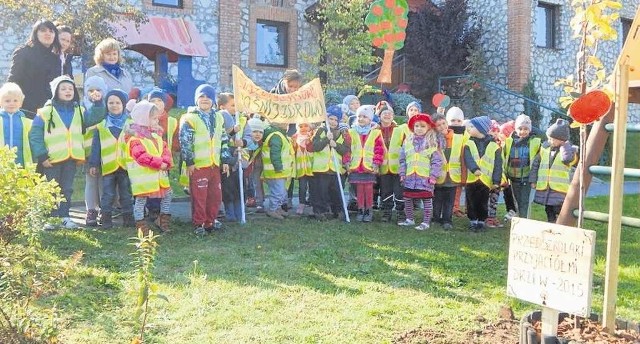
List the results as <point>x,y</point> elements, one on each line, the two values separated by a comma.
<point>323,160</point>
<point>555,177</point>
<point>63,143</point>
<point>286,155</point>
<point>417,162</point>
<point>146,180</point>
<point>454,163</point>
<point>360,154</point>
<point>206,149</point>
<point>534,148</point>
<point>392,155</point>
<point>112,150</point>
<point>485,163</point>
<point>26,147</point>
<point>172,126</point>
<point>304,163</point>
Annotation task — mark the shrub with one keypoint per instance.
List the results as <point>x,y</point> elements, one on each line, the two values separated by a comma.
<point>400,102</point>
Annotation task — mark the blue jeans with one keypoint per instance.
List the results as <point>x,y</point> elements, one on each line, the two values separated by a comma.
<point>277,193</point>
<point>120,180</point>
<point>62,172</point>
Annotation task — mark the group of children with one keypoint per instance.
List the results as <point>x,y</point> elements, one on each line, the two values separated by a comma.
<point>130,147</point>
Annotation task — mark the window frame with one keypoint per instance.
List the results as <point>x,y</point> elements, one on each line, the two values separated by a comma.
<point>285,45</point>
<point>180,4</point>
<point>551,25</point>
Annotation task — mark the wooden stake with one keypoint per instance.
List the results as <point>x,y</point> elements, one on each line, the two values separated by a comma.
<point>616,197</point>
<point>549,322</point>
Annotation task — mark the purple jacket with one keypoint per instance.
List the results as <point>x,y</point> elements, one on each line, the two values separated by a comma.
<point>414,181</point>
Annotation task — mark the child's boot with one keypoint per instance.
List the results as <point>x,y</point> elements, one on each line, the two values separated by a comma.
<point>368,215</point>
<point>91,219</point>
<point>106,220</point>
<point>163,221</point>
<point>142,226</point>
<point>360,216</point>
<point>127,220</point>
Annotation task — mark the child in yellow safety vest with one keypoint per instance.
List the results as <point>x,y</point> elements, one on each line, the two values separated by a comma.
<point>278,167</point>
<point>455,121</point>
<point>301,141</point>
<point>367,155</point>
<point>14,126</point>
<point>492,220</point>
<point>389,179</point>
<point>551,169</point>
<point>483,160</point>
<point>57,140</point>
<point>108,159</point>
<point>148,162</point>
<point>451,146</point>
<point>253,171</point>
<point>330,148</point>
<point>230,181</point>
<point>420,168</point>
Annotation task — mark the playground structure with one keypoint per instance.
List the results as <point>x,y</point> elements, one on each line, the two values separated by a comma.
<point>626,82</point>
<point>165,40</point>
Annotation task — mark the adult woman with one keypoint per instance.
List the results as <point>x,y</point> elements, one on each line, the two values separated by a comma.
<point>34,65</point>
<point>108,59</point>
<point>65,37</point>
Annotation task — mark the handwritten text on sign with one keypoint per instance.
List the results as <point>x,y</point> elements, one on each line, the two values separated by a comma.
<point>551,265</point>
<point>306,105</point>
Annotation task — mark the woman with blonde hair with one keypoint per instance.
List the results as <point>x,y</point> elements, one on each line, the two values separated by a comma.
<point>108,59</point>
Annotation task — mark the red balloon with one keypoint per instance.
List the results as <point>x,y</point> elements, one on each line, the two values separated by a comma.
<point>590,107</point>
<point>437,99</point>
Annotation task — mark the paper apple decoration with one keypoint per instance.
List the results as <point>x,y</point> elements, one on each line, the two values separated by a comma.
<point>590,107</point>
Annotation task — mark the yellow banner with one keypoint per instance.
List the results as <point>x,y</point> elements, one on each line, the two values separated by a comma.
<point>306,105</point>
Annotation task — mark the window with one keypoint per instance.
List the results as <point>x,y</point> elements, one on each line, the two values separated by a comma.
<point>271,43</point>
<point>626,27</point>
<point>167,3</point>
<point>545,30</point>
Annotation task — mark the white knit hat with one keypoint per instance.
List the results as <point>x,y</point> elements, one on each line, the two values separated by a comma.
<point>455,113</point>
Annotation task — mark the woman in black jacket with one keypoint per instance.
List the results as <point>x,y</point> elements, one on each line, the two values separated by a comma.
<point>34,65</point>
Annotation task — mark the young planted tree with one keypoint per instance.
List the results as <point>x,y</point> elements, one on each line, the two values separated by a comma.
<point>441,40</point>
<point>387,21</point>
<point>344,48</point>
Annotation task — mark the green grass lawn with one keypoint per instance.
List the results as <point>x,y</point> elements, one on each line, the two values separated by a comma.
<point>300,281</point>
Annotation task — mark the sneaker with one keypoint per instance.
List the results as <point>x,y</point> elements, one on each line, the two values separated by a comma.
<point>50,226</point>
<point>360,216</point>
<point>67,223</point>
<point>185,190</point>
<point>199,230</point>
<point>259,209</point>
<point>492,222</point>
<point>91,219</point>
<point>447,226</point>
<point>422,227</point>
<point>282,212</point>
<point>217,225</point>
<point>274,214</point>
<point>473,226</point>
<point>510,215</point>
<point>407,223</point>
<point>251,202</point>
<point>458,213</point>
<point>300,209</point>
<point>480,227</point>
<point>368,215</point>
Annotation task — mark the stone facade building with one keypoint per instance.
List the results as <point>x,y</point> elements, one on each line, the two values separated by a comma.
<point>521,39</point>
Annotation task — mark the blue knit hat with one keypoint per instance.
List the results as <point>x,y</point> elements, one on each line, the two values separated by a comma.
<point>416,104</point>
<point>124,98</point>
<point>205,90</point>
<point>482,123</point>
<point>336,111</point>
<point>157,93</point>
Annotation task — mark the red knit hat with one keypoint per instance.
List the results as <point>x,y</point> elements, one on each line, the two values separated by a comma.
<point>421,117</point>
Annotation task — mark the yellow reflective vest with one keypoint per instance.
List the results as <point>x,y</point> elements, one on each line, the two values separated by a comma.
<point>485,163</point>
<point>363,154</point>
<point>206,149</point>
<point>304,162</point>
<point>453,166</point>
<point>286,156</point>
<point>62,143</point>
<point>555,176</point>
<point>26,147</point>
<point>514,172</point>
<point>417,162</point>
<point>323,160</point>
<point>144,179</point>
<point>392,153</point>
<point>112,150</point>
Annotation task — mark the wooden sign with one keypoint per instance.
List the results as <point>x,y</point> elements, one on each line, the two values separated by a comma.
<point>551,265</point>
<point>306,105</point>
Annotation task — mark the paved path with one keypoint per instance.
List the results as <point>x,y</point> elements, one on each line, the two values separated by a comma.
<point>181,207</point>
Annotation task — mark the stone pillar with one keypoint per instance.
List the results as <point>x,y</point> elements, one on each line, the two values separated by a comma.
<point>519,41</point>
<point>229,37</point>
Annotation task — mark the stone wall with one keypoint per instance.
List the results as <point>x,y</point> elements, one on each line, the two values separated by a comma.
<point>205,14</point>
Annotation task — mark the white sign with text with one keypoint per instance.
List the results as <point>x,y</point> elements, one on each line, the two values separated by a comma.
<point>551,265</point>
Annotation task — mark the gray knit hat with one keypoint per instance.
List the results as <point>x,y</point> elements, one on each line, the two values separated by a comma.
<point>559,130</point>
<point>523,121</point>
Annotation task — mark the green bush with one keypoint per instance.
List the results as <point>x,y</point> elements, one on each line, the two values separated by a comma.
<point>400,102</point>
